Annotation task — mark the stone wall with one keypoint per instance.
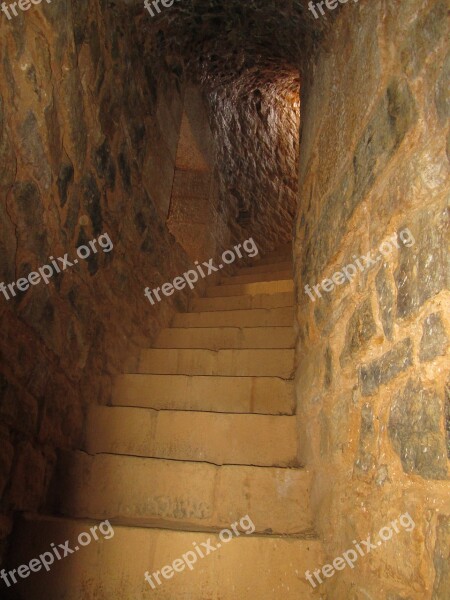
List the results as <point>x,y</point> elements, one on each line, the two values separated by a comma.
<point>88,140</point>
<point>197,217</point>
<point>256,126</point>
<point>373,354</point>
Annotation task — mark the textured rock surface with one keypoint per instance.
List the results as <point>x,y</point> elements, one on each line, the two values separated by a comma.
<point>374,161</point>
<point>74,139</point>
<point>415,428</point>
<point>434,340</point>
<point>441,558</point>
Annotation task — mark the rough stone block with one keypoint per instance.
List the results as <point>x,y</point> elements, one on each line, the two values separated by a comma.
<point>441,560</point>
<point>360,329</point>
<point>328,359</point>
<point>29,478</point>
<point>18,409</point>
<point>447,415</point>
<point>424,268</point>
<point>6,458</point>
<point>365,460</point>
<point>386,300</point>
<point>7,157</point>
<point>434,340</point>
<point>423,38</point>
<point>394,116</point>
<point>415,429</point>
<point>383,369</point>
<point>33,149</point>
<point>442,95</point>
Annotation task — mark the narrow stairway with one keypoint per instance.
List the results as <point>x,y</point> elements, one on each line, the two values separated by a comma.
<point>203,435</point>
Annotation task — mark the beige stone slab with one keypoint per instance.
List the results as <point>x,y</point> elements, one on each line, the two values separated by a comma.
<point>255,363</point>
<point>280,300</point>
<point>274,260</point>
<point>217,438</point>
<point>185,495</point>
<point>247,567</point>
<point>217,338</point>
<point>261,287</point>
<point>276,267</point>
<point>257,277</point>
<point>268,395</point>
<point>256,317</point>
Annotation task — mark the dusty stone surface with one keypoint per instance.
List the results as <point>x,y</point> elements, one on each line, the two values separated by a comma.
<point>441,558</point>
<point>415,428</point>
<point>382,370</point>
<point>361,328</point>
<point>81,115</point>
<point>434,340</point>
<point>424,268</point>
<point>386,297</point>
<point>373,161</point>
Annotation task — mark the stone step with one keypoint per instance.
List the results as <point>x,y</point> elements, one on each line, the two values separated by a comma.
<point>184,495</point>
<point>217,338</point>
<point>250,567</point>
<point>276,267</point>
<point>237,363</point>
<point>261,287</point>
<point>256,277</point>
<point>255,317</point>
<point>266,395</point>
<point>242,302</point>
<point>283,255</point>
<point>217,438</point>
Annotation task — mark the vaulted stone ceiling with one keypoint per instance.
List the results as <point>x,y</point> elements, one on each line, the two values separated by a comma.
<point>246,55</point>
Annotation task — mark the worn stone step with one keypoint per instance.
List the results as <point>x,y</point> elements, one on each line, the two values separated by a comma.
<point>274,257</point>
<point>261,287</point>
<point>266,395</point>
<point>244,302</point>
<point>276,267</point>
<point>184,495</point>
<point>255,317</point>
<point>256,277</point>
<point>249,566</point>
<point>217,338</point>
<point>217,438</point>
<point>237,363</point>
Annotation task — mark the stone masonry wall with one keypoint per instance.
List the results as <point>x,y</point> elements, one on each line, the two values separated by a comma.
<point>88,139</point>
<point>373,370</point>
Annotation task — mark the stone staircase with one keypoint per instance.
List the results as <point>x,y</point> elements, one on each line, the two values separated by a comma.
<point>203,434</point>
